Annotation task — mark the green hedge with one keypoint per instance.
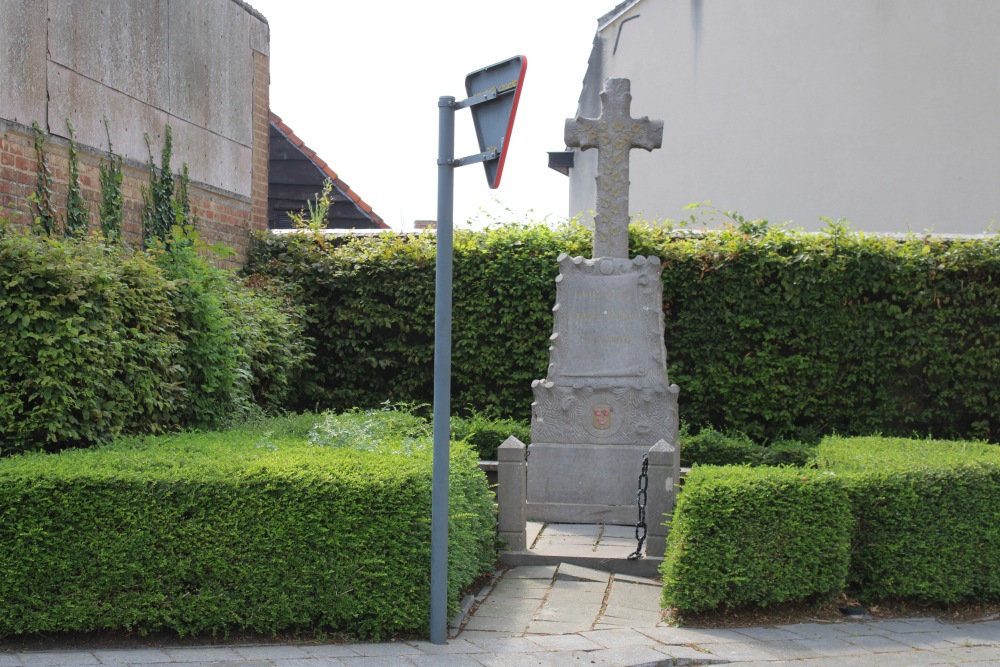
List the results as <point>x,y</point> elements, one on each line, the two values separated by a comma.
<point>96,340</point>
<point>769,332</point>
<point>712,447</point>
<point>883,518</point>
<point>247,530</point>
<point>755,536</point>
<point>926,517</point>
<point>485,434</point>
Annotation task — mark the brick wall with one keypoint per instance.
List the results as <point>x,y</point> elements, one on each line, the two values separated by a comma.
<point>126,75</point>
<point>261,137</point>
<point>223,217</point>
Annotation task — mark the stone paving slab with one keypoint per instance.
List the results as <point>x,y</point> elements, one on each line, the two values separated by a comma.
<point>46,658</point>
<point>569,571</point>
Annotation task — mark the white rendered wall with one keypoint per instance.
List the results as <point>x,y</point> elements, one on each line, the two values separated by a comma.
<point>883,112</point>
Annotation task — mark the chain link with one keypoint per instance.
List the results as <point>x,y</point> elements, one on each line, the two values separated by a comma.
<point>640,501</point>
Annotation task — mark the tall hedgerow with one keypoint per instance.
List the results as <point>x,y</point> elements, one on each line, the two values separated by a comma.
<point>770,332</point>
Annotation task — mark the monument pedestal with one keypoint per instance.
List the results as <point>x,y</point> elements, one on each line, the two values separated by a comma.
<point>606,398</point>
<point>599,487</point>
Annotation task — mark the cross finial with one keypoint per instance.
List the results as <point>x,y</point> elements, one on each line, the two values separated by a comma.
<point>614,134</point>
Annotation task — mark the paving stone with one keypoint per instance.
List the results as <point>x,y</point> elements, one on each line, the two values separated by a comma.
<point>530,572</point>
<point>619,531</point>
<point>330,651</point>
<point>131,656</point>
<point>632,579</point>
<point>266,652</point>
<point>302,662</point>
<point>690,655</point>
<point>635,596</point>
<point>557,627</point>
<point>212,654</point>
<point>629,655</point>
<point>523,660</point>
<point>626,619</point>
<point>524,588</point>
<point>670,635</point>
<point>377,661</point>
<point>515,625</point>
<point>615,638</point>
<point>43,658</point>
<point>986,633</point>
<point>566,587</point>
<point>969,653</point>
<point>491,643</point>
<point>583,573</point>
<point>876,643</point>
<point>572,529</point>
<point>767,633</point>
<point>738,651</point>
<point>502,609</point>
<point>903,625</point>
<point>814,630</point>
<point>447,660</point>
<point>612,552</point>
<point>454,646</point>
<point>828,646</point>
<point>570,642</point>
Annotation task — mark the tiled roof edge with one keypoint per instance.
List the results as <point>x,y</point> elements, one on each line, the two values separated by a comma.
<point>325,168</point>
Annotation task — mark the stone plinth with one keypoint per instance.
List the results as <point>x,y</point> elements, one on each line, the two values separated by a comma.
<point>606,398</point>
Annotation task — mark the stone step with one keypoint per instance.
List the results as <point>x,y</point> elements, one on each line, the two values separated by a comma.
<point>596,546</point>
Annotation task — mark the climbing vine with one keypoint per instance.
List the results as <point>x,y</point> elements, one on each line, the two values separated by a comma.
<point>158,213</point>
<point>167,203</point>
<point>77,215</point>
<point>45,217</point>
<point>112,199</point>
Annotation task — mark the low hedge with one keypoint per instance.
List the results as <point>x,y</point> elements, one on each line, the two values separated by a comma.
<point>246,530</point>
<point>883,518</point>
<point>755,536</point>
<point>712,447</point>
<point>925,513</point>
<point>485,434</point>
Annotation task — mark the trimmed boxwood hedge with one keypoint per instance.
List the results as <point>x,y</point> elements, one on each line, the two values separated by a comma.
<point>882,518</point>
<point>755,536</point>
<point>769,332</point>
<point>245,530</point>
<point>926,515</point>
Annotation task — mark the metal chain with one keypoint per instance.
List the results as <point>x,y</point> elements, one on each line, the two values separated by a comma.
<point>640,500</point>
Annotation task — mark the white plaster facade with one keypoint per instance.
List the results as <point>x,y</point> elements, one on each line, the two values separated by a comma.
<point>882,112</point>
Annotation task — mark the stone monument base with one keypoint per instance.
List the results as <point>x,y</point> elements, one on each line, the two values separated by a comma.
<point>599,487</point>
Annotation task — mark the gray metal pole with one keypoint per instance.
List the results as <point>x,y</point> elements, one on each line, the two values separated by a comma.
<point>442,371</point>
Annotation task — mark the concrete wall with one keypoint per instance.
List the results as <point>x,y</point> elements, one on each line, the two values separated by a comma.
<point>199,66</point>
<point>883,112</point>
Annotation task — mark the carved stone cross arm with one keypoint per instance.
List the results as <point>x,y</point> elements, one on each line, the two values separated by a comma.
<point>613,134</point>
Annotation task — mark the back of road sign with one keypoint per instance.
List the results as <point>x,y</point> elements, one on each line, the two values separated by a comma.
<point>499,87</point>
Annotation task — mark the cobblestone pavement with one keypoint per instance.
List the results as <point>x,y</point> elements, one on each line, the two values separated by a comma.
<point>551,615</point>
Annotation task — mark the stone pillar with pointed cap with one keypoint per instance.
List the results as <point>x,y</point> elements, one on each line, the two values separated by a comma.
<point>606,398</point>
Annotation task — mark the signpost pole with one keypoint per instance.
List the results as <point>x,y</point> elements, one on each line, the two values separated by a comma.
<point>442,371</point>
<point>494,103</point>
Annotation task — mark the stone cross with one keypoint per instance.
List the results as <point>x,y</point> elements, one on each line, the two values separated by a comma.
<point>614,134</point>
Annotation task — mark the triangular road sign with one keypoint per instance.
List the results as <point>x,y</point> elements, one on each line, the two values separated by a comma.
<point>499,87</point>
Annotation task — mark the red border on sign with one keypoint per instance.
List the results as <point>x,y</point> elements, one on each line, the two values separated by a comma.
<point>510,123</point>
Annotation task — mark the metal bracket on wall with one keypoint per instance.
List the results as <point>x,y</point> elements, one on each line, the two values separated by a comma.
<point>619,35</point>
